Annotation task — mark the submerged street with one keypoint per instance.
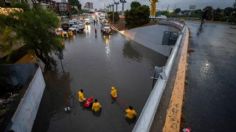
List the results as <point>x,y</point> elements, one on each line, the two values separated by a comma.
<point>94,64</point>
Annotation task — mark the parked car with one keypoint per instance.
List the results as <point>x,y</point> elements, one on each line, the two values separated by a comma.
<point>73,22</point>
<point>79,26</point>
<point>101,17</point>
<point>87,21</point>
<point>106,29</point>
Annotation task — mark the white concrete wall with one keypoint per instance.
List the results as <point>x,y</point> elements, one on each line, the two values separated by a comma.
<point>23,118</point>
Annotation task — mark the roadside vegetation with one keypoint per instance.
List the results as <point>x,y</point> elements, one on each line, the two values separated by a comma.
<point>34,29</point>
<point>138,15</point>
<point>224,15</point>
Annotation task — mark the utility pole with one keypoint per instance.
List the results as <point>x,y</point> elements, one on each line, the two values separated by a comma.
<point>123,5</point>
<point>116,3</point>
<point>113,13</point>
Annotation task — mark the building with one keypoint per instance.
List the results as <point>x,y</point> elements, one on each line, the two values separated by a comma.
<point>88,5</point>
<point>62,7</point>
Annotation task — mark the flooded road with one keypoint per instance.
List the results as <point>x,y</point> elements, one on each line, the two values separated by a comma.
<point>94,64</point>
<point>211,91</point>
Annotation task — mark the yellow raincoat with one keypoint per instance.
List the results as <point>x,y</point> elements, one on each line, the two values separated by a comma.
<point>96,106</point>
<point>114,92</point>
<point>130,113</point>
<point>81,96</point>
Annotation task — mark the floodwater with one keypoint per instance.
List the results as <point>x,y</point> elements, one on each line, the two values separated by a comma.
<point>211,91</point>
<point>94,64</point>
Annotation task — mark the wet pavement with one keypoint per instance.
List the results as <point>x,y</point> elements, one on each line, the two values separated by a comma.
<point>94,64</point>
<point>211,91</point>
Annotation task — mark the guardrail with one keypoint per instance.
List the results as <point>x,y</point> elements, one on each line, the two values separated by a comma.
<point>147,115</point>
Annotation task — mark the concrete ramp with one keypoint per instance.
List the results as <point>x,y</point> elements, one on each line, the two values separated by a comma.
<point>151,37</point>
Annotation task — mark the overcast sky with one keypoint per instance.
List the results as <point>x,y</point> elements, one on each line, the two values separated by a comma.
<point>163,4</point>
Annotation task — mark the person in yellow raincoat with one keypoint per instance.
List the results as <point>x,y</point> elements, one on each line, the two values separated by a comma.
<point>114,94</point>
<point>96,107</point>
<point>130,113</point>
<point>81,96</point>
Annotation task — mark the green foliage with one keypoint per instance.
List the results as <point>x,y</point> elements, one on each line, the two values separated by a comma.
<point>177,10</point>
<point>75,3</point>
<point>232,18</point>
<point>135,5</point>
<point>165,13</point>
<point>74,10</point>
<point>137,16</point>
<point>7,40</point>
<point>228,11</point>
<point>218,15</point>
<point>36,28</point>
<point>116,16</point>
<point>209,12</point>
<point>22,5</point>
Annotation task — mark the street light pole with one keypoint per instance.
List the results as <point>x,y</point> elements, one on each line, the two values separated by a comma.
<point>116,3</point>
<point>123,5</point>
<point>113,13</point>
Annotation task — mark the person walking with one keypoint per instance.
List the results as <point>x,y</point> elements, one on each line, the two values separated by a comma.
<point>95,30</point>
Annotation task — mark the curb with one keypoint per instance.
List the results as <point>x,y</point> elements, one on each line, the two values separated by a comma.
<point>174,111</point>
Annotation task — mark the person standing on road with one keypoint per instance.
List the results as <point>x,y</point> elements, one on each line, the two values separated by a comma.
<point>81,95</point>
<point>94,22</point>
<point>130,113</point>
<point>95,30</point>
<point>96,107</point>
<point>114,94</point>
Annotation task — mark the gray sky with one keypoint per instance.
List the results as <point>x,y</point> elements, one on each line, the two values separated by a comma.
<point>163,4</point>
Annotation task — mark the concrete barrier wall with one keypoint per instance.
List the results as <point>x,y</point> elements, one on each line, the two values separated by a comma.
<point>23,118</point>
<point>147,115</point>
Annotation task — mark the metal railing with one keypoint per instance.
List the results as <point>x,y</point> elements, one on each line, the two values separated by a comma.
<point>147,115</point>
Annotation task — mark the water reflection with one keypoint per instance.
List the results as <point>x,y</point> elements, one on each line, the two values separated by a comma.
<point>57,96</point>
<point>130,52</point>
<point>106,40</point>
<point>87,29</point>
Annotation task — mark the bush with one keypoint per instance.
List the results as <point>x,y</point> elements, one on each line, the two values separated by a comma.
<point>137,16</point>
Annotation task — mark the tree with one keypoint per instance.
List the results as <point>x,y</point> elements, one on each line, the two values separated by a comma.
<point>7,40</point>
<point>36,27</point>
<point>218,15</point>
<point>137,16</point>
<point>177,10</point>
<point>207,13</point>
<point>135,5</point>
<point>75,3</point>
<point>228,11</point>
